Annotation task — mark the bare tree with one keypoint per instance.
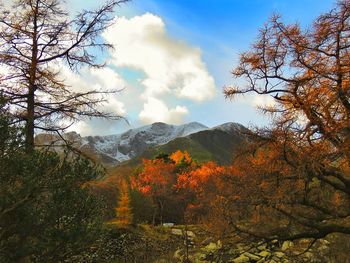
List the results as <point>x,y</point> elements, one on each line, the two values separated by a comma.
<point>306,153</point>
<point>36,35</point>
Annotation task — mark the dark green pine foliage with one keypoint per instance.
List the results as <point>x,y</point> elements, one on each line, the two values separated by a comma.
<point>47,214</point>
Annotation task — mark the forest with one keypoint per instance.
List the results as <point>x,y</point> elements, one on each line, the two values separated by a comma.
<point>282,194</point>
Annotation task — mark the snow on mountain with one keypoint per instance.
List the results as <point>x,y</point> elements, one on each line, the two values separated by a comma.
<point>114,149</point>
<point>133,142</point>
<point>231,127</point>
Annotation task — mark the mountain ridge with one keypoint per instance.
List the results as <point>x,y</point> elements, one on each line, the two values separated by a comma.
<point>112,150</point>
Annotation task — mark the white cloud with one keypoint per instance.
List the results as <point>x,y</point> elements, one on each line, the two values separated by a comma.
<point>171,67</point>
<point>156,110</point>
<point>263,101</point>
<point>100,80</point>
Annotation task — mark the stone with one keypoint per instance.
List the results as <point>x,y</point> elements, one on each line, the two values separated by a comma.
<point>241,259</point>
<point>287,245</point>
<point>176,231</point>
<point>207,241</point>
<point>279,254</point>
<point>264,254</point>
<point>168,224</point>
<point>262,247</point>
<point>179,254</point>
<point>252,256</point>
<point>211,246</point>
<point>190,234</point>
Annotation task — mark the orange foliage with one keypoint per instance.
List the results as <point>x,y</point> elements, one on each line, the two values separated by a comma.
<point>180,156</point>
<point>123,210</point>
<point>156,178</point>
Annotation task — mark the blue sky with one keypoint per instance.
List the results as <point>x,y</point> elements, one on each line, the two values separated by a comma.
<point>204,38</point>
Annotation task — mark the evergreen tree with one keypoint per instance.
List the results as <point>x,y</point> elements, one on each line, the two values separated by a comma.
<point>47,213</point>
<point>123,211</point>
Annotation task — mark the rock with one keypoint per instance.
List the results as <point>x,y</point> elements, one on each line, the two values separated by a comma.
<point>262,247</point>
<point>168,224</point>
<point>287,245</point>
<point>279,254</point>
<point>212,246</point>
<point>176,231</point>
<point>309,255</point>
<point>324,241</point>
<point>252,256</point>
<point>241,259</point>
<point>179,254</point>
<point>180,232</point>
<point>265,254</point>
<point>207,241</point>
<point>190,234</point>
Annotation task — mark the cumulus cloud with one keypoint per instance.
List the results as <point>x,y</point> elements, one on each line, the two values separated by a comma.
<point>100,80</point>
<point>156,110</point>
<point>171,67</point>
<point>263,101</point>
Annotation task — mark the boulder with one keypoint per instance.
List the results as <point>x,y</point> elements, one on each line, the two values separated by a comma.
<point>252,256</point>
<point>287,245</point>
<point>241,259</point>
<point>176,231</point>
<point>264,254</point>
<point>279,254</point>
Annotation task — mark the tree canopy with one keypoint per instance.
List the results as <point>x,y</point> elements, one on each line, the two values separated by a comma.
<point>35,37</point>
<point>301,164</point>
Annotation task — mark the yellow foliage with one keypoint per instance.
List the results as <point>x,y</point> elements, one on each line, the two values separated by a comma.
<point>123,210</point>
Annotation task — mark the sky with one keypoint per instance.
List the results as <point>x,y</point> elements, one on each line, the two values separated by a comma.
<point>172,59</point>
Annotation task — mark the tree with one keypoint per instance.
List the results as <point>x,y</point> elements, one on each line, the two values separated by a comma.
<point>123,211</point>
<point>156,180</point>
<point>206,187</point>
<point>34,37</point>
<point>47,212</point>
<point>300,168</point>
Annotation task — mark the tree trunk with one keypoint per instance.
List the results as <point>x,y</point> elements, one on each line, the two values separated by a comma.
<point>29,128</point>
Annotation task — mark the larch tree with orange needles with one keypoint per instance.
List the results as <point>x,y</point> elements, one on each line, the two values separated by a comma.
<point>300,168</point>
<point>123,210</point>
<point>156,180</point>
<point>207,185</point>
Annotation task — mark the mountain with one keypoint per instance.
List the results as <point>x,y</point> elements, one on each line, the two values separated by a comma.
<point>203,143</point>
<point>218,144</point>
<point>114,149</point>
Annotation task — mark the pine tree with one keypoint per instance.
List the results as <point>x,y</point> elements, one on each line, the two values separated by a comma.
<point>123,211</point>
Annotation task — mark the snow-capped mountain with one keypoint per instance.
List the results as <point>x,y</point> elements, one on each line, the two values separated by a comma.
<point>114,149</point>
<point>231,127</point>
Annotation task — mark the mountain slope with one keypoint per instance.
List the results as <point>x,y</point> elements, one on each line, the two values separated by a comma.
<point>114,149</point>
<point>218,144</point>
<point>129,148</point>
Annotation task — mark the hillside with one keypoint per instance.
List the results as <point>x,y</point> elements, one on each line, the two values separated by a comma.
<point>129,148</point>
<point>217,144</point>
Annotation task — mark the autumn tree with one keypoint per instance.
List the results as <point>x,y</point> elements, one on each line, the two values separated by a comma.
<point>35,37</point>
<point>206,185</point>
<point>158,180</point>
<point>123,210</point>
<point>300,168</point>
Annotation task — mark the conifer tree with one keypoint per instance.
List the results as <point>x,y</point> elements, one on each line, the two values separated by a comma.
<point>123,210</point>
